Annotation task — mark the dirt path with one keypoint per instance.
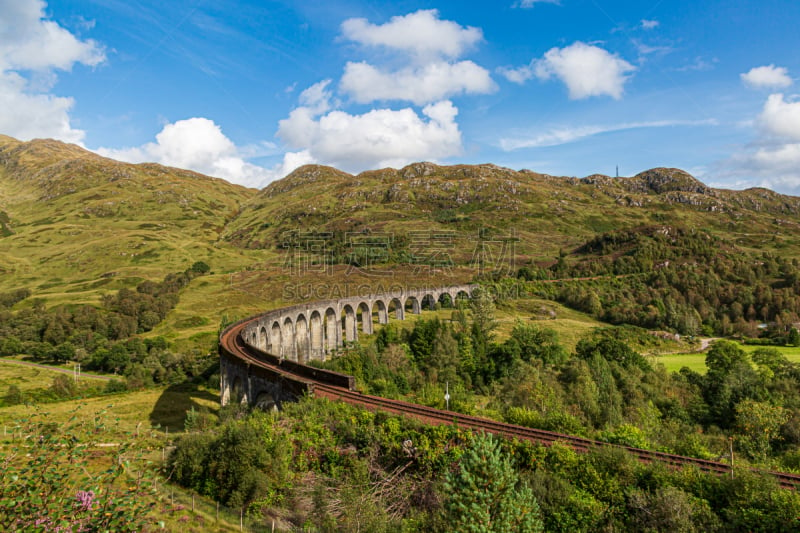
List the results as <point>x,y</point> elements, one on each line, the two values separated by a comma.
<point>706,342</point>
<point>54,369</point>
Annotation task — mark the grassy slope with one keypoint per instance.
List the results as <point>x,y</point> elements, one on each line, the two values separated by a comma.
<point>28,378</point>
<point>82,225</point>
<point>77,217</point>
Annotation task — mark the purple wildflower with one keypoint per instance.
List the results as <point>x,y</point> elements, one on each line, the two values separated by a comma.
<point>85,499</point>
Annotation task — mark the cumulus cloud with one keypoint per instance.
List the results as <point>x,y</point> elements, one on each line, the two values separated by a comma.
<point>422,34</point>
<point>198,144</point>
<point>425,71</point>
<point>423,84</point>
<point>780,119</point>
<point>586,70</point>
<point>30,43</point>
<point>767,77</point>
<point>649,24</point>
<point>558,136</point>
<point>377,138</point>
<point>773,159</point>
<point>26,115</point>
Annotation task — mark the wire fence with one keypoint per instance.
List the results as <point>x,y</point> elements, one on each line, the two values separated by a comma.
<point>181,506</point>
<point>176,504</point>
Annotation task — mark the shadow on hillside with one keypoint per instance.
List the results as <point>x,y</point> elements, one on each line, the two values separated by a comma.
<point>169,411</point>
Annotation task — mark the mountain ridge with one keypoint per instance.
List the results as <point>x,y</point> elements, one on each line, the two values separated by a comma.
<point>71,220</point>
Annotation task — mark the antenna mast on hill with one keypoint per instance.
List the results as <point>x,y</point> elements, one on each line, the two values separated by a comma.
<point>617,170</point>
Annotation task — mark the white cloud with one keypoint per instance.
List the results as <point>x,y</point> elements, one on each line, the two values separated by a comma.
<point>317,98</point>
<point>377,138</point>
<point>773,159</point>
<point>586,70</point>
<point>780,119</point>
<point>767,77</point>
<point>421,34</point>
<point>527,4</point>
<point>28,116</point>
<point>198,144</point>
<point>649,24</point>
<point>31,43</point>
<point>420,85</point>
<point>424,71</point>
<point>517,75</point>
<point>773,166</point>
<point>560,136</point>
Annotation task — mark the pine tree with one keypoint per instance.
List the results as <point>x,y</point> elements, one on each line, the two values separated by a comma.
<point>486,495</point>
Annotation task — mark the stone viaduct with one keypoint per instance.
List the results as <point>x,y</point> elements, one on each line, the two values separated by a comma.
<point>315,331</point>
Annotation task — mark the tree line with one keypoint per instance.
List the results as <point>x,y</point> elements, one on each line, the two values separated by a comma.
<point>104,337</point>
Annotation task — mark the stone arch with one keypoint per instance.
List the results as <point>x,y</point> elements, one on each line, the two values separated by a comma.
<point>263,338</point>
<point>462,295</point>
<point>396,306</point>
<point>333,331</point>
<point>287,335</point>
<point>412,305</point>
<point>238,393</point>
<point>275,340</point>
<point>445,300</point>
<point>379,308</point>
<point>265,401</point>
<point>224,388</point>
<point>349,323</point>
<point>428,302</point>
<point>317,336</point>
<point>301,339</point>
<point>365,313</point>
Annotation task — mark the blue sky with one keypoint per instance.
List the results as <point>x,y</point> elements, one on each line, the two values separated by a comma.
<point>247,91</point>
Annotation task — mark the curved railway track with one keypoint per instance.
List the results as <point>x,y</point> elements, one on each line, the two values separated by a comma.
<point>232,342</point>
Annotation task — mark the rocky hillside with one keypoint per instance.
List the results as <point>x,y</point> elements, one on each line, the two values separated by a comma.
<point>546,213</point>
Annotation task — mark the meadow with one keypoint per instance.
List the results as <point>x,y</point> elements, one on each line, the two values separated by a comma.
<point>697,361</point>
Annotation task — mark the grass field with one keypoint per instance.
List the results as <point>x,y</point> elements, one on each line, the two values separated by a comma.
<point>160,408</point>
<point>697,361</point>
<point>570,325</point>
<point>28,378</point>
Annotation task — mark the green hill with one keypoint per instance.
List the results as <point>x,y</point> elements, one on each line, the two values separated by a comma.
<point>545,213</point>
<point>75,226</point>
<point>72,222</point>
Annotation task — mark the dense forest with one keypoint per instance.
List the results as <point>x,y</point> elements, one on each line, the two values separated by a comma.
<point>677,279</point>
